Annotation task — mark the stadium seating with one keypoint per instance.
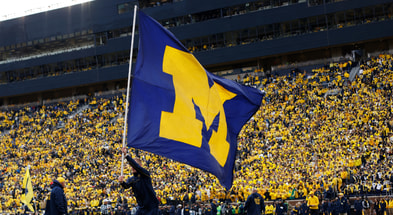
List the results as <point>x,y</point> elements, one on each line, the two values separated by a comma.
<point>299,141</point>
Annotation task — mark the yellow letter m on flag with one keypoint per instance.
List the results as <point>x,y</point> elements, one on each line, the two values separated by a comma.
<point>181,111</point>
<point>194,93</point>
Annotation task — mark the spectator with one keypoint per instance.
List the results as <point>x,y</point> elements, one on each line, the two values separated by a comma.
<point>366,205</point>
<point>342,204</point>
<point>311,137</point>
<point>304,208</point>
<point>358,206</point>
<point>313,204</point>
<point>106,207</point>
<point>377,207</point>
<point>269,209</point>
<point>281,207</point>
<point>57,203</point>
<point>389,206</point>
<point>255,203</point>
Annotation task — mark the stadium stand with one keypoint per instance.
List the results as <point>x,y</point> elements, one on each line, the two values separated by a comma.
<point>325,125</point>
<point>299,141</point>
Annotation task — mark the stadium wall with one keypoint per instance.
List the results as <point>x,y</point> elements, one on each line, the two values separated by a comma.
<point>247,52</point>
<point>102,16</point>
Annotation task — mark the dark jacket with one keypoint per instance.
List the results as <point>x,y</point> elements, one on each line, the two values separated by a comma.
<point>382,205</point>
<point>358,206</point>
<point>143,190</point>
<point>214,208</point>
<point>254,204</point>
<point>172,210</point>
<point>178,211</point>
<point>57,203</point>
<point>303,209</point>
<point>342,205</point>
<point>281,209</point>
<point>209,211</point>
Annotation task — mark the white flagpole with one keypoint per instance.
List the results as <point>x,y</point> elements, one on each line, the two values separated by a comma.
<point>128,88</point>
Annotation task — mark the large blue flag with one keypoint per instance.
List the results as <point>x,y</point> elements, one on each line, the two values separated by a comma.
<point>181,111</point>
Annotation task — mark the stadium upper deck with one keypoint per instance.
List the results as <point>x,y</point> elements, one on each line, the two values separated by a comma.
<point>85,48</point>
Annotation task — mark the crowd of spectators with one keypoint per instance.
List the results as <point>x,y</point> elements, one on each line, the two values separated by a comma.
<point>299,141</point>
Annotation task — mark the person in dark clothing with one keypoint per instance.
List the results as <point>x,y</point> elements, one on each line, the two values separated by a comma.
<point>281,208</point>
<point>57,202</point>
<point>377,208</point>
<point>142,187</point>
<point>186,210</point>
<point>214,207</point>
<point>382,206</point>
<point>325,205</point>
<point>331,207</point>
<point>255,203</point>
<point>342,204</point>
<point>336,205</point>
<point>358,207</point>
<point>172,210</point>
<point>178,210</point>
<point>329,193</point>
<point>208,210</point>
<point>189,198</point>
<point>267,194</point>
<point>303,208</point>
<point>296,209</point>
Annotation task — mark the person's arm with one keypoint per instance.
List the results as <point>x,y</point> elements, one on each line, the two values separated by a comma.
<point>137,167</point>
<point>126,184</point>
<point>134,164</point>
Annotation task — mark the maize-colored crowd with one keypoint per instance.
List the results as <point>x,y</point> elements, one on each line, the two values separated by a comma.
<point>299,141</point>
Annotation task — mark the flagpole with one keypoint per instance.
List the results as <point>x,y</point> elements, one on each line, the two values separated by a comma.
<point>128,88</point>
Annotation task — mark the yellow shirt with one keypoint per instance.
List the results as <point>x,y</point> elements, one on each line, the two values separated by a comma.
<point>269,209</point>
<point>344,174</point>
<point>313,202</point>
<point>389,204</point>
